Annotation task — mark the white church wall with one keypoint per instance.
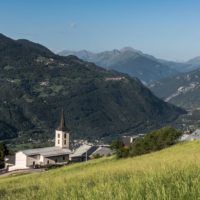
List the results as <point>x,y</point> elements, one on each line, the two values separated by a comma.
<point>42,159</point>
<point>20,161</point>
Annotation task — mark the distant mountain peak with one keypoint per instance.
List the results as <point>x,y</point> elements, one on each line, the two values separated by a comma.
<point>127,60</point>
<point>116,51</point>
<point>195,59</point>
<point>4,38</point>
<point>124,49</point>
<point>2,35</point>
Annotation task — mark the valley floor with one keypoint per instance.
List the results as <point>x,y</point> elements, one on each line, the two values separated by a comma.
<point>173,173</point>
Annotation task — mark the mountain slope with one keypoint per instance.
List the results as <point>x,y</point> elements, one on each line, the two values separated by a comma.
<point>172,173</point>
<point>193,63</point>
<point>128,60</point>
<point>36,84</point>
<point>182,90</point>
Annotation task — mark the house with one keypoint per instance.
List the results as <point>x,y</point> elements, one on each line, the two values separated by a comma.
<point>191,136</point>
<point>128,140</point>
<point>88,151</point>
<point>102,151</point>
<point>58,154</point>
<point>83,153</point>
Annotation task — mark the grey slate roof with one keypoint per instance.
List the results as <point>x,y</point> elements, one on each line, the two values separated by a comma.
<point>103,151</point>
<point>47,151</point>
<point>81,151</point>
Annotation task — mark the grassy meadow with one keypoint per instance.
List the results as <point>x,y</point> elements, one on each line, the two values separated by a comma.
<point>173,173</point>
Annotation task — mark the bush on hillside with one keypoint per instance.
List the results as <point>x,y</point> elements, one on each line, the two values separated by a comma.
<point>155,140</point>
<point>119,148</point>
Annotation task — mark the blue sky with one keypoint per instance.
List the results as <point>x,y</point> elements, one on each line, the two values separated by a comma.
<point>167,29</point>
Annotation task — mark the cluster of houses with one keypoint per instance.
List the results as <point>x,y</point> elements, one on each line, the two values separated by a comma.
<point>60,154</point>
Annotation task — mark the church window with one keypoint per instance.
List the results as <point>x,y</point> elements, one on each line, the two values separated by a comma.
<point>47,162</point>
<point>65,142</point>
<point>58,141</point>
<point>58,135</point>
<point>65,135</point>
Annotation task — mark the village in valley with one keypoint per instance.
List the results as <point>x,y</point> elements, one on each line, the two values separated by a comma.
<point>64,153</point>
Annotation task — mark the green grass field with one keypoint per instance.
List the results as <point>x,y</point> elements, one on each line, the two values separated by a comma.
<point>173,173</point>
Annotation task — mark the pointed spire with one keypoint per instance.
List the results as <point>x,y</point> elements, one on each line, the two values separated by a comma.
<point>62,126</point>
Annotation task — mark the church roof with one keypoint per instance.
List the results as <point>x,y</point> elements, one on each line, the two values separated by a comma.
<point>47,151</point>
<point>62,126</point>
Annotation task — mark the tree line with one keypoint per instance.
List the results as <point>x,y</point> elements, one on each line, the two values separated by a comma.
<point>153,141</point>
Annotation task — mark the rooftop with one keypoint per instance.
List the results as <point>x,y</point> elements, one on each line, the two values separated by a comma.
<point>83,149</point>
<point>47,151</point>
<point>103,151</point>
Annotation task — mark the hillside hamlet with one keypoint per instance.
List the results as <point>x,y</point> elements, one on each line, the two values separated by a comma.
<point>60,154</point>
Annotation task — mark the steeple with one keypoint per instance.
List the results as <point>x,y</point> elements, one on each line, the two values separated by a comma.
<point>62,133</point>
<point>62,126</point>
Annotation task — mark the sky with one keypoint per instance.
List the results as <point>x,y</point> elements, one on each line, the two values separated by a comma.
<point>168,29</point>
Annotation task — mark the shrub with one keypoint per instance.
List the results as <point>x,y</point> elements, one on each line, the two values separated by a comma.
<point>119,148</point>
<point>155,140</point>
<point>95,156</point>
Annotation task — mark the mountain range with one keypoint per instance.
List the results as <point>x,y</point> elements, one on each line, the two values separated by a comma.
<point>98,103</point>
<point>182,90</point>
<point>127,60</point>
<point>137,64</point>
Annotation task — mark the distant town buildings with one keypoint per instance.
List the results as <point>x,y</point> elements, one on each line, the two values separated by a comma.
<point>189,136</point>
<point>128,140</point>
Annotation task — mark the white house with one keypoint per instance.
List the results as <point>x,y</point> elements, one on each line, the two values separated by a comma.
<point>58,154</point>
<point>191,136</point>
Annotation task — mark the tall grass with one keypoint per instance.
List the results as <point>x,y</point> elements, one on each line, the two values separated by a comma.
<point>173,173</point>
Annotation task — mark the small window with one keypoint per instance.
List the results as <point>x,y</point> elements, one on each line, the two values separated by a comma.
<point>47,162</point>
<point>65,142</point>
<point>65,135</point>
<point>56,160</point>
<point>63,157</point>
<point>58,141</point>
<point>58,135</point>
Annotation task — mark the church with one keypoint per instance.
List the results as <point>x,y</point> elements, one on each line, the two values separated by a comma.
<point>58,154</point>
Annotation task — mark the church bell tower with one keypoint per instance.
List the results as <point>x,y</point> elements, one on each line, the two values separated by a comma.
<point>62,134</point>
